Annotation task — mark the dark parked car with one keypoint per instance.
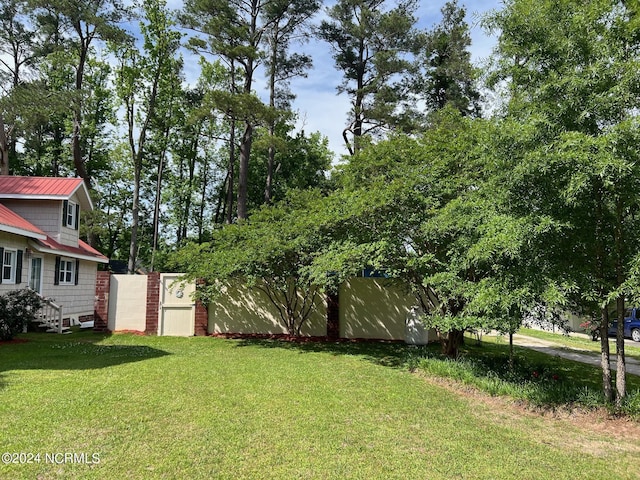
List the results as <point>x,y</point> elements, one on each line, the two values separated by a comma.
<point>631,324</point>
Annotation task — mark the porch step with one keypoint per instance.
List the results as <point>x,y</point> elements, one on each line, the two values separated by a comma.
<point>55,330</point>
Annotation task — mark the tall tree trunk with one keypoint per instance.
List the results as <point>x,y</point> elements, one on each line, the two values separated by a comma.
<point>222,203</point>
<point>4,147</point>
<point>203,200</point>
<point>78,160</point>
<point>135,219</point>
<point>272,123</point>
<point>231,173</point>
<point>621,367</point>
<point>601,261</point>
<point>247,136</point>
<point>270,162</point>
<point>243,170</point>
<point>605,360</point>
<point>156,208</point>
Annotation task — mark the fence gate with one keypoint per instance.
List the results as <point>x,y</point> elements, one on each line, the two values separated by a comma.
<point>177,308</point>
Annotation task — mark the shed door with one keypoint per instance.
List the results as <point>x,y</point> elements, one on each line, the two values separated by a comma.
<point>177,308</point>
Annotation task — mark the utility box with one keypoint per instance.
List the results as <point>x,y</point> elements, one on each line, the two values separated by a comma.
<point>415,332</point>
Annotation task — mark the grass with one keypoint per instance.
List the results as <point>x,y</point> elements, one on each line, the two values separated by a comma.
<point>540,379</point>
<point>203,408</point>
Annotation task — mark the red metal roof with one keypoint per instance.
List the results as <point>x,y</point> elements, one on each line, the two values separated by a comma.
<point>15,222</point>
<point>38,186</point>
<point>82,250</point>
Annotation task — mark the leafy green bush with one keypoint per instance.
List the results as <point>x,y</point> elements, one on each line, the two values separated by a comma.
<point>17,309</point>
<point>631,405</point>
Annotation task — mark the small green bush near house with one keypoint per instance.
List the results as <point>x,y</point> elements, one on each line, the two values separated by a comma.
<point>17,309</point>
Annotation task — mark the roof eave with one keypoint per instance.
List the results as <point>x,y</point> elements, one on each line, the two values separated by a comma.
<point>22,232</point>
<point>53,251</point>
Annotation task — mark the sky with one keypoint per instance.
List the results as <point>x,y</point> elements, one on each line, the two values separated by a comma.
<point>318,105</point>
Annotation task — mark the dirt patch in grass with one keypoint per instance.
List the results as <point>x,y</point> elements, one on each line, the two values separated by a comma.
<point>13,341</point>
<point>131,332</point>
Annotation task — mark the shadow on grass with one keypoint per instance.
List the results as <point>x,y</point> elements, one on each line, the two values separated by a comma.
<point>386,353</point>
<point>542,378</point>
<point>80,350</point>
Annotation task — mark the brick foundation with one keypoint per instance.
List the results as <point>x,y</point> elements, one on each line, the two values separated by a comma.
<point>101,305</point>
<point>153,303</point>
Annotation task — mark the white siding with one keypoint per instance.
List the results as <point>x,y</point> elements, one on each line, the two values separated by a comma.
<point>8,240</point>
<point>76,300</point>
<point>47,216</point>
<point>44,214</point>
<point>69,236</point>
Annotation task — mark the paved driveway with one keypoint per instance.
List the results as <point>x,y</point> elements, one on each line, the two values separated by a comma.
<point>579,355</point>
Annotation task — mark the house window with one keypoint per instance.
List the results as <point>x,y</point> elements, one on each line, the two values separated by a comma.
<point>70,214</point>
<point>9,266</point>
<point>66,274</point>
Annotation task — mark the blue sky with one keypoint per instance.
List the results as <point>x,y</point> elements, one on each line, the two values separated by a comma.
<point>319,106</point>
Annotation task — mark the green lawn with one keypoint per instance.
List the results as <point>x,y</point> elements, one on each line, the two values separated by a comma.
<point>203,408</point>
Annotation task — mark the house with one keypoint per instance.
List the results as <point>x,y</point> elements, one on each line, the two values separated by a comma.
<point>40,247</point>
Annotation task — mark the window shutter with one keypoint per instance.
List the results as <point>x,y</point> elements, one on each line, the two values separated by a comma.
<point>77,216</point>
<point>19,267</point>
<point>77,272</point>
<point>65,206</point>
<point>56,278</point>
<point>1,263</point>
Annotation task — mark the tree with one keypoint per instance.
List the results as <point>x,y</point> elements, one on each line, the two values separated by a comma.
<point>570,69</point>
<point>270,252</point>
<point>234,31</point>
<point>425,211</point>
<point>287,20</point>
<point>143,83</point>
<point>301,162</point>
<point>80,23</point>
<point>449,77</point>
<point>370,47</point>
<point>18,51</point>
<point>110,218</point>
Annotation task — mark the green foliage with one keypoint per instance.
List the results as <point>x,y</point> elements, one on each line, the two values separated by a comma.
<point>571,70</point>
<point>301,162</point>
<point>269,252</point>
<point>538,379</point>
<point>18,308</point>
<point>428,211</point>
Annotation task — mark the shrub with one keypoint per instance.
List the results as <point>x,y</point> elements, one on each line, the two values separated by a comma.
<point>17,309</point>
<point>631,405</point>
